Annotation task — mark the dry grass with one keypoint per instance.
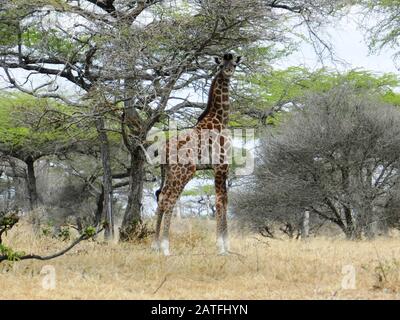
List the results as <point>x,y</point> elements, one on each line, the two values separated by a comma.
<point>260,269</point>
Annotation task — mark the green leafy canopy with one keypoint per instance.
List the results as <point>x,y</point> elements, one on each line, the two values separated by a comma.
<point>29,124</point>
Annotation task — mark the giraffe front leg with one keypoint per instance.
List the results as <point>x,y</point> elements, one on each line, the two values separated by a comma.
<point>156,242</point>
<point>170,203</point>
<point>166,205</point>
<point>177,178</point>
<point>164,213</point>
<point>221,173</point>
<point>165,235</point>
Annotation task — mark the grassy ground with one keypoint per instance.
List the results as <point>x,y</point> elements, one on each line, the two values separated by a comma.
<point>259,268</point>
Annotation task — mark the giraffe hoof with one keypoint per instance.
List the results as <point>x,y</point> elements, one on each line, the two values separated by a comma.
<point>165,247</point>
<point>222,246</point>
<point>223,253</point>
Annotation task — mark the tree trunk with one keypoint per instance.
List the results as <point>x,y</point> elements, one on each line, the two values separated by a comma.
<point>31,182</point>
<point>351,232</point>
<point>208,206</point>
<point>305,226</point>
<point>107,179</point>
<point>365,219</point>
<point>9,195</point>
<point>133,217</point>
<point>32,193</point>
<point>99,208</point>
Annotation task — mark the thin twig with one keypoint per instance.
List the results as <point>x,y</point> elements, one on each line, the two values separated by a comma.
<point>161,284</point>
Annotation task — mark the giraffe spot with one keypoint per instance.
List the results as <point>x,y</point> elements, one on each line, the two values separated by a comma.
<point>210,125</point>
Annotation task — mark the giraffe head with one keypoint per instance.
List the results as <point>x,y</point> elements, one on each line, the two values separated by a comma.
<point>228,65</point>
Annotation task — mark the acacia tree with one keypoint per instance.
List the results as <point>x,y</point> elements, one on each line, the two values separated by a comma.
<point>263,96</point>
<point>32,129</point>
<point>141,53</point>
<point>337,156</point>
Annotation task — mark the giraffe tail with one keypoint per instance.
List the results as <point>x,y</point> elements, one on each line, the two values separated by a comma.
<point>162,167</point>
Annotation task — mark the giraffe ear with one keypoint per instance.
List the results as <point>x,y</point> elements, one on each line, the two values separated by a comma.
<point>217,61</point>
<point>238,59</point>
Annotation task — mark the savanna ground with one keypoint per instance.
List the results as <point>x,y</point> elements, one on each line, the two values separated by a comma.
<point>259,268</point>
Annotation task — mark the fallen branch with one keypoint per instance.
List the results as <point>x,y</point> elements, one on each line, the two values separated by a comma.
<point>9,255</point>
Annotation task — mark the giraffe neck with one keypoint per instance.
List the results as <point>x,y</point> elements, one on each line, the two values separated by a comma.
<point>218,101</point>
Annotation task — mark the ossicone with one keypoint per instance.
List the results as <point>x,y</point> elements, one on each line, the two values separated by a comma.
<point>228,56</point>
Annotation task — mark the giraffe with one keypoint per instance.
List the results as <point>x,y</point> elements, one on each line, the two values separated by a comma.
<point>176,174</point>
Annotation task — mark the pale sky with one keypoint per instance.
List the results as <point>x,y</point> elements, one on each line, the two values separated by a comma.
<point>349,45</point>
